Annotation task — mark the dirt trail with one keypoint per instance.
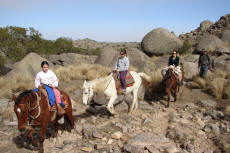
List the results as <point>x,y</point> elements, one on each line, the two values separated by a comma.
<point>183,127</point>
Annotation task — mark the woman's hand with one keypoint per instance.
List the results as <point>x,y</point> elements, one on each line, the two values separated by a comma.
<point>50,85</point>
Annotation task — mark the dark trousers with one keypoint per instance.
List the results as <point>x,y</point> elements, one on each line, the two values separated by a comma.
<point>122,79</point>
<point>203,70</point>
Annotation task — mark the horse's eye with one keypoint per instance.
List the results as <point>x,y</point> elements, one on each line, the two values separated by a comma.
<point>86,93</point>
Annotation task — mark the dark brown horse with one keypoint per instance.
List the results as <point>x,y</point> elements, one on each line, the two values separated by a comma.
<point>32,111</point>
<point>172,84</point>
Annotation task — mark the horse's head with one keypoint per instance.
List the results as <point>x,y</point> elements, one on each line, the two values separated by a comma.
<point>87,93</point>
<point>21,107</point>
<point>169,73</point>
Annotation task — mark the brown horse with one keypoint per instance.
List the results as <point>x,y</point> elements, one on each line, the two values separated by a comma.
<point>32,111</point>
<point>172,84</point>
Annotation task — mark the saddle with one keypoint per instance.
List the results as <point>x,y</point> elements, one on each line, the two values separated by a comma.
<point>129,81</point>
<point>54,107</point>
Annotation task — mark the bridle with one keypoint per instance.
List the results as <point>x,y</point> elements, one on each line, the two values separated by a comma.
<point>37,106</point>
<point>34,108</point>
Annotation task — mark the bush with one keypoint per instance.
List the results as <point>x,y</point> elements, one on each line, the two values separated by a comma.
<point>16,42</point>
<point>185,48</point>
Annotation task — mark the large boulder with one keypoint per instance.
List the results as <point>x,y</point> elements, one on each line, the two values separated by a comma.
<point>191,58</point>
<point>28,67</point>
<point>210,43</point>
<point>205,25</point>
<point>222,63</point>
<point>160,41</point>
<point>190,69</point>
<point>226,36</point>
<point>71,58</point>
<point>109,56</point>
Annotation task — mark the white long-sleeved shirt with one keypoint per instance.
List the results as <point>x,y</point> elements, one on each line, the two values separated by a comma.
<point>122,64</point>
<point>46,78</point>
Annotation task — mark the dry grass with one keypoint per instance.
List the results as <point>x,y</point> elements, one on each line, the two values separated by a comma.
<point>7,114</point>
<point>16,84</point>
<point>81,72</point>
<point>198,82</point>
<point>214,82</point>
<point>217,88</point>
<point>226,91</point>
<point>227,110</point>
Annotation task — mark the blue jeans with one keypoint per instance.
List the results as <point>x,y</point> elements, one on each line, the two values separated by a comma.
<point>203,71</point>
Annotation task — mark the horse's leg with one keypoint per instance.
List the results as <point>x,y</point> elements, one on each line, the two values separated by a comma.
<point>69,116</point>
<point>174,93</point>
<point>30,136</point>
<point>135,101</point>
<point>56,125</point>
<point>110,105</point>
<point>42,137</point>
<point>169,95</point>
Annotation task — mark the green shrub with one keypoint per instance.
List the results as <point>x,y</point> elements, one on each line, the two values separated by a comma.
<point>185,48</point>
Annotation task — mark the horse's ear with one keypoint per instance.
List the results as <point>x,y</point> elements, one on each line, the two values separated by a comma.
<point>14,97</point>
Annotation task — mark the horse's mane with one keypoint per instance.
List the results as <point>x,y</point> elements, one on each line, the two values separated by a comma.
<point>170,73</point>
<point>26,93</point>
<point>100,84</point>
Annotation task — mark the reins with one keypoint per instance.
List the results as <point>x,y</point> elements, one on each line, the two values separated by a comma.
<point>37,106</point>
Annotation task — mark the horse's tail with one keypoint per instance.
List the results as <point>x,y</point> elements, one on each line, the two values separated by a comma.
<point>146,78</point>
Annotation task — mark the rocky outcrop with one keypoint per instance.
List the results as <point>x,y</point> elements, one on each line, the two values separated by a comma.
<point>205,25</point>
<point>71,58</point>
<point>29,66</point>
<point>191,69</point>
<point>109,56</point>
<point>160,41</point>
<point>209,43</point>
<point>216,29</point>
<point>222,63</point>
<point>226,36</point>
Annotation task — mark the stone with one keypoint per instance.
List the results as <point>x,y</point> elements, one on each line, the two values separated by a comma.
<point>190,69</point>
<point>67,142</point>
<point>226,36</point>
<point>205,25</point>
<point>117,135</point>
<point>86,149</point>
<point>71,58</point>
<point>209,42</point>
<point>210,127</point>
<point>97,134</point>
<point>59,146</point>
<point>206,103</point>
<point>109,56</point>
<point>159,42</point>
<point>87,131</point>
<point>152,149</point>
<point>110,141</point>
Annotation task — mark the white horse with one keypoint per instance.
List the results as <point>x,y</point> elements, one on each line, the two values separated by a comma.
<point>107,86</point>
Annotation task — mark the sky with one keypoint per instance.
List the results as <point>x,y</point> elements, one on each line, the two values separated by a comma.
<point>109,20</point>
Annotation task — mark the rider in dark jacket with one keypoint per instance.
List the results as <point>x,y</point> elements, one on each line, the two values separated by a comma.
<point>204,63</point>
<point>174,60</point>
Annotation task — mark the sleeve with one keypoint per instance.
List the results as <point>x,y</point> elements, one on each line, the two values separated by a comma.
<point>37,81</point>
<point>169,61</point>
<point>127,64</point>
<point>115,67</point>
<point>199,62</point>
<point>55,79</point>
